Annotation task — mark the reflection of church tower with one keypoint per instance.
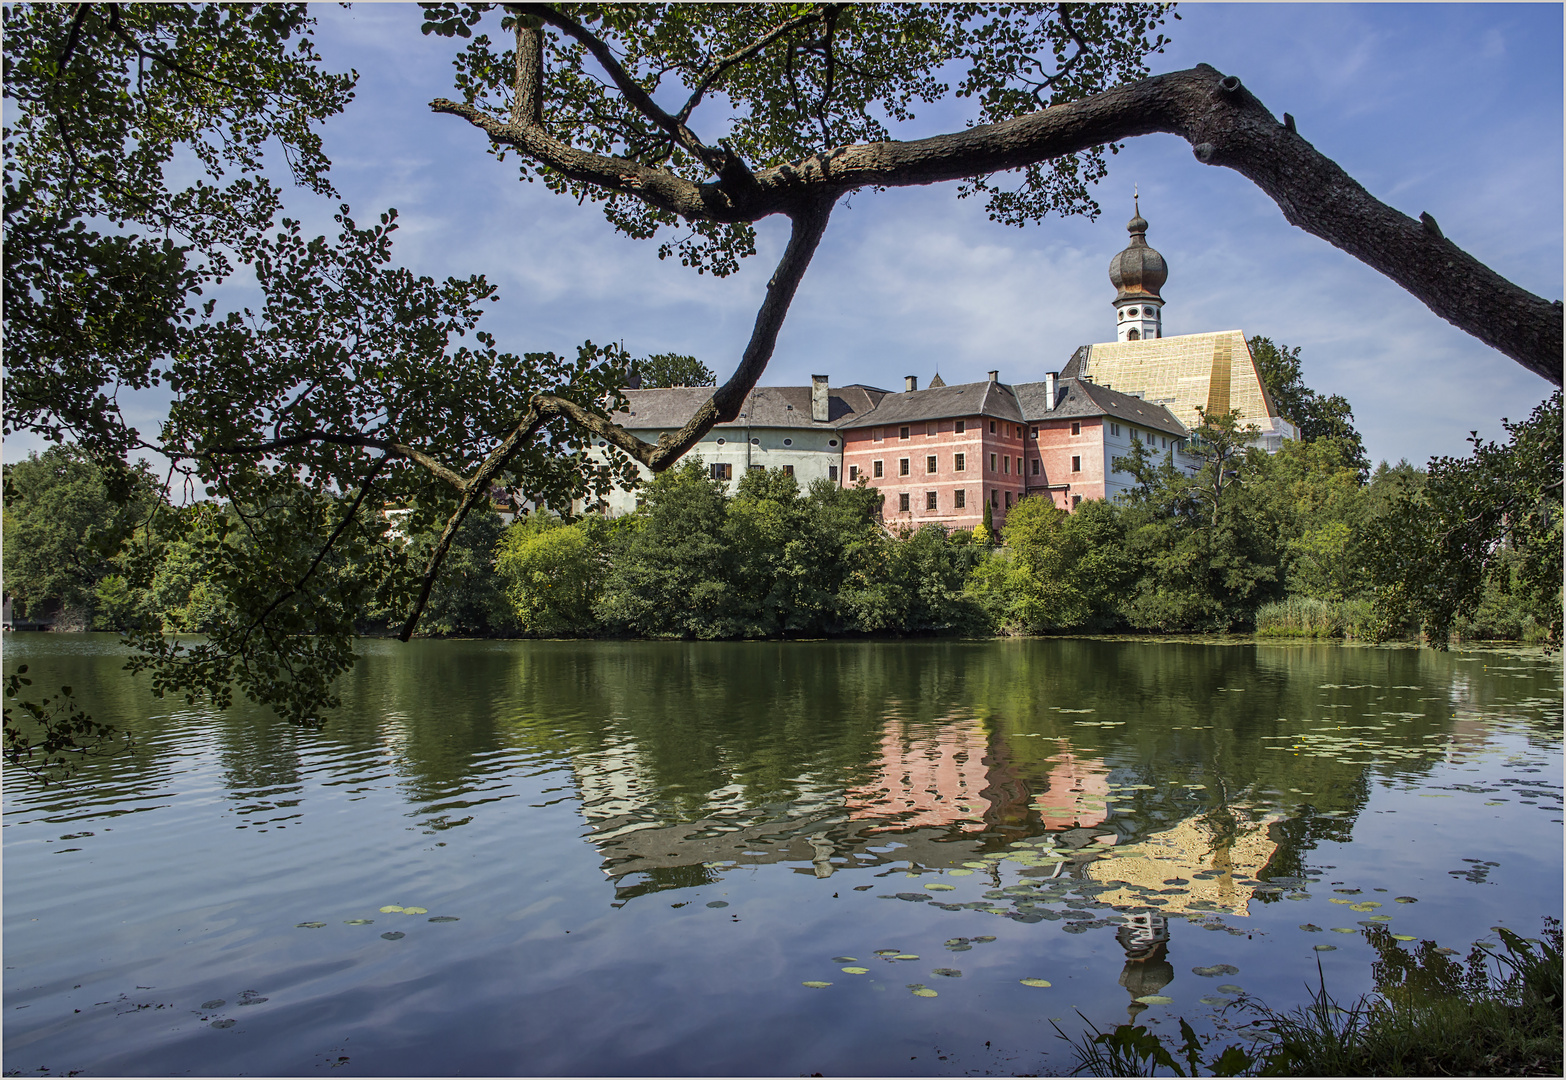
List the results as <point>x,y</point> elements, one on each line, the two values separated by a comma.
<point>1137,274</point>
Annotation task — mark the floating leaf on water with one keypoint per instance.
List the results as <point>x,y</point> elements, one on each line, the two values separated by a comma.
<point>1035,982</point>
<point>816,984</point>
<point>984,937</point>
<point>248,999</point>
<point>1403,937</point>
<point>357,922</point>
<point>1216,969</point>
<point>977,865</point>
<point>310,925</point>
<point>394,935</point>
<point>444,918</point>
<point>1325,948</point>
<point>856,971</point>
<point>1214,1000</point>
<point>950,973</point>
<point>845,959</point>
<point>936,886</point>
<point>1404,900</point>
<point>887,952</point>
<point>1230,988</point>
<point>1380,918</point>
<point>717,903</point>
<point>923,991</point>
<point>958,873</point>
<point>228,1023</point>
<point>1364,905</point>
<point>1344,930</point>
<point>215,1003</point>
<point>1444,951</point>
<point>415,911</point>
<point>1155,999</point>
<point>1347,892</point>
<point>391,907</point>
<point>906,956</point>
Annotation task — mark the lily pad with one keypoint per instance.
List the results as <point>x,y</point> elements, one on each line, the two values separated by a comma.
<point>950,973</point>
<point>1310,926</point>
<point>1344,930</point>
<point>936,886</point>
<point>1364,905</point>
<point>225,1023</point>
<point>415,911</point>
<point>444,918</point>
<point>906,956</point>
<point>958,873</point>
<point>1155,999</point>
<point>391,907</point>
<point>1035,982</point>
<point>984,937</point>
<point>215,1003</point>
<point>845,959</point>
<point>310,925</point>
<point>1230,988</point>
<point>357,922</point>
<point>394,935</point>
<point>717,903</point>
<point>1216,969</point>
<point>1405,900</point>
<point>922,991</point>
<point>887,952</point>
<point>816,984</point>
<point>1325,948</point>
<point>1403,937</point>
<point>1444,951</point>
<point>856,971</point>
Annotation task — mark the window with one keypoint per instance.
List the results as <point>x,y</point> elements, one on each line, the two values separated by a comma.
<point>1163,442</point>
<point>1019,466</point>
<point>722,441</point>
<point>1132,336</point>
<point>831,442</point>
<point>1034,432</point>
<point>832,473</point>
<point>903,467</point>
<point>1076,464</point>
<point>875,435</point>
<point>929,500</point>
<point>788,442</point>
<point>961,426</point>
<point>902,432</point>
<point>959,462</point>
<point>1006,465</point>
<point>1019,431</point>
<point>722,471</point>
<point>960,499</point>
<point>755,442</point>
<point>1008,500</point>
<point>992,427</point>
<point>875,470</point>
<point>1114,429</point>
<point>853,472</point>
<point>757,468</point>
<point>994,497</point>
<point>992,463</point>
<point>929,464</point>
<point>1076,427</point>
<point>1035,466</point>
<point>929,428</point>
<point>788,470</point>
<point>902,502</point>
<point>1076,501</point>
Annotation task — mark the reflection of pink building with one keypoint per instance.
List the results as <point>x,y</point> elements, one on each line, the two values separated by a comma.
<point>1076,793</point>
<point>933,778</point>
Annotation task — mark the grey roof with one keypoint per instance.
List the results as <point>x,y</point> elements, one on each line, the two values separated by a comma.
<point>1078,397</point>
<point>668,408</point>
<point>967,399</point>
<point>1073,368</point>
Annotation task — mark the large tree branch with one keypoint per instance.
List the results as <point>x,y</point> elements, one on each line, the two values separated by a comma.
<point>1225,124</point>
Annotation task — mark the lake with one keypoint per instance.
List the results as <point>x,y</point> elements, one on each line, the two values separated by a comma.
<point>650,858</point>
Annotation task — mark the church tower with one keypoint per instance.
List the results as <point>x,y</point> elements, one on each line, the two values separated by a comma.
<point>1137,274</point>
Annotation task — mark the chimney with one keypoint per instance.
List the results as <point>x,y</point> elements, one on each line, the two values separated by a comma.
<point>820,398</point>
<point>910,382</point>
<point>1049,388</point>
<point>994,376</point>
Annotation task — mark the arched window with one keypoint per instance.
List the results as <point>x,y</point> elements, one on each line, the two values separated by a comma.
<point>1133,335</point>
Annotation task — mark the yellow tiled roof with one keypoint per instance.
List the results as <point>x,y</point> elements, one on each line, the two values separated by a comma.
<point>1212,371</point>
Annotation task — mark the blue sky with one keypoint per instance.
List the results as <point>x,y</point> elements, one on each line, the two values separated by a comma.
<point>1447,108</point>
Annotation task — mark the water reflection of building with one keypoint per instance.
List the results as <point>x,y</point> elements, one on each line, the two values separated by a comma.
<point>1211,864</point>
<point>935,776</point>
<point>1145,939</point>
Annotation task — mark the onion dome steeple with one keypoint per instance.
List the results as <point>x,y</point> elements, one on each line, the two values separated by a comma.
<point>1137,273</point>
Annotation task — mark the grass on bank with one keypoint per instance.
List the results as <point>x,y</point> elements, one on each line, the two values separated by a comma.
<point>1496,1014</point>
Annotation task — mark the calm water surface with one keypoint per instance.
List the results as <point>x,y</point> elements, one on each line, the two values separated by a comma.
<point>673,858</point>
